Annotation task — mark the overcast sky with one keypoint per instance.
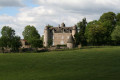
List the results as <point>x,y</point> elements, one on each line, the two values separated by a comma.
<point>39,13</point>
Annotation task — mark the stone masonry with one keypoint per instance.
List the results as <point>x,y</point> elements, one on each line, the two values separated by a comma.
<point>58,35</point>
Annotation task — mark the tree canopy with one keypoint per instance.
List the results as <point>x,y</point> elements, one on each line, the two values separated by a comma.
<point>116,34</point>
<point>9,39</point>
<point>32,36</point>
<point>80,37</point>
<point>30,33</point>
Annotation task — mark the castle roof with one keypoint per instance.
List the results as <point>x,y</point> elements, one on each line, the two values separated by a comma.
<point>70,40</point>
<point>61,28</point>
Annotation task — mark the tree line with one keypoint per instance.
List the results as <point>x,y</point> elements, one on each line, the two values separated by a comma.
<point>104,31</point>
<point>9,40</point>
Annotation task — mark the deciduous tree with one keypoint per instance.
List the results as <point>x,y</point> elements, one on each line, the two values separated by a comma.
<point>80,37</point>
<point>32,36</point>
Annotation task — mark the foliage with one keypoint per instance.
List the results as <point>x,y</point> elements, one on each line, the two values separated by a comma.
<point>15,43</point>
<point>109,16</point>
<point>31,35</point>
<point>9,40</point>
<point>108,21</point>
<point>3,43</point>
<point>116,34</point>
<point>63,45</point>
<point>37,43</point>
<point>30,32</point>
<point>118,19</point>
<point>80,37</point>
<point>8,32</point>
<point>50,42</point>
<point>42,38</point>
<point>49,26</point>
<point>95,33</point>
<point>99,32</point>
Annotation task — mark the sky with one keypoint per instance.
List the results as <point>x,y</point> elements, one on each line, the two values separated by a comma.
<point>39,13</point>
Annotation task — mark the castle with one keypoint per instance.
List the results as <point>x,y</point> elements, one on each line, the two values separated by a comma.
<point>60,35</point>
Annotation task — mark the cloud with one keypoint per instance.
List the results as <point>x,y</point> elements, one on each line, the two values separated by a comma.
<point>40,17</point>
<point>11,3</point>
<point>83,6</point>
<point>55,12</point>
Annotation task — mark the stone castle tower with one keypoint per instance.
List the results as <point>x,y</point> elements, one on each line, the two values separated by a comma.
<point>60,35</point>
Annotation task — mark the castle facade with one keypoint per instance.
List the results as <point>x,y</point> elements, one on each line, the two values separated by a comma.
<point>60,35</point>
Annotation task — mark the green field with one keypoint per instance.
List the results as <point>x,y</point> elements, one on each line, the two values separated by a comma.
<point>82,64</point>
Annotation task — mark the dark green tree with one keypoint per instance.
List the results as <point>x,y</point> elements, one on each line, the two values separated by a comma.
<point>49,26</point>
<point>15,44</point>
<point>109,16</point>
<point>50,42</point>
<point>95,33</point>
<point>118,19</point>
<point>37,43</point>
<point>30,33</point>
<point>80,36</point>
<point>8,39</point>
<point>42,38</point>
<point>116,35</point>
<point>8,33</point>
<point>3,43</point>
<point>108,21</point>
<point>32,36</point>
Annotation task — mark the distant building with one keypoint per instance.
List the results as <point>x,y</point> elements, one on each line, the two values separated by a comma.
<point>25,44</point>
<point>60,35</point>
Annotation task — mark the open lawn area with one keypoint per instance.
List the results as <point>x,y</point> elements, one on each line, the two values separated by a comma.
<point>81,64</point>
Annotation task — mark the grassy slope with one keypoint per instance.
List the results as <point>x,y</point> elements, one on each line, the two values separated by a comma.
<point>84,64</point>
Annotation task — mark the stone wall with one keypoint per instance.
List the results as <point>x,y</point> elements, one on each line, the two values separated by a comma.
<point>60,38</point>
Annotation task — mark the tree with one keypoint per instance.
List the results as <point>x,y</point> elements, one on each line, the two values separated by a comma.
<point>15,44</point>
<point>32,36</point>
<point>109,16</point>
<point>95,33</point>
<point>8,33</point>
<point>116,35</point>
<point>80,37</point>
<point>30,33</point>
<point>3,43</point>
<point>118,19</point>
<point>108,21</point>
<point>8,39</point>
<point>50,42</point>
<point>37,43</point>
<point>42,38</point>
<point>49,26</point>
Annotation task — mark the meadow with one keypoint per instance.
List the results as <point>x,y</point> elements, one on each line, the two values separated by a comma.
<point>79,64</point>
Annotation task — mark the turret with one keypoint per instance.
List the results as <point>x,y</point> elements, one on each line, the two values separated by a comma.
<point>70,42</point>
<point>74,30</point>
<point>46,36</point>
<point>62,25</point>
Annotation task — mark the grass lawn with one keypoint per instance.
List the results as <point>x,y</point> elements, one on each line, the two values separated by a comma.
<point>83,64</point>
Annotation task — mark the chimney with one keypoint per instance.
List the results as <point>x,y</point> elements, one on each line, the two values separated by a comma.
<point>62,25</point>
